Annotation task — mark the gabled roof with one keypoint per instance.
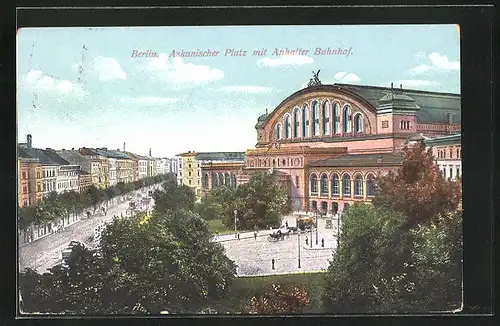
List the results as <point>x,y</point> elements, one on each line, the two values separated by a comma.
<point>360,160</point>
<point>35,153</point>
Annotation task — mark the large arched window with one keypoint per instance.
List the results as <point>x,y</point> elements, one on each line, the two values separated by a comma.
<point>324,184</point>
<point>326,118</point>
<point>358,186</point>
<point>221,179</point>
<point>296,122</point>
<point>233,180</point>
<point>288,127</point>
<point>215,181</point>
<point>305,121</point>
<point>315,118</point>
<point>358,123</point>
<point>346,119</point>
<point>336,118</point>
<point>371,186</point>
<point>278,131</point>
<point>346,185</point>
<point>314,184</point>
<point>227,179</point>
<point>335,185</point>
<point>205,180</point>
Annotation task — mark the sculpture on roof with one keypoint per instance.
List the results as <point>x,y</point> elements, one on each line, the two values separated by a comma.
<point>315,80</point>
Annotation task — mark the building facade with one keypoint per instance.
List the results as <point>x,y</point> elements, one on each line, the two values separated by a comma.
<point>20,184</point>
<point>84,181</point>
<point>31,182</point>
<point>447,151</point>
<point>67,173</point>
<point>329,143</point>
<point>113,179</point>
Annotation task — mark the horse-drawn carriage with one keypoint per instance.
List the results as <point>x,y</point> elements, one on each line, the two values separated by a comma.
<point>278,235</point>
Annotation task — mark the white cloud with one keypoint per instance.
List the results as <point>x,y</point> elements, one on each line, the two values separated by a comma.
<point>437,62</point>
<point>148,100</point>
<point>176,72</point>
<point>60,88</point>
<point>247,89</point>
<point>344,77</point>
<point>285,60</point>
<point>108,69</point>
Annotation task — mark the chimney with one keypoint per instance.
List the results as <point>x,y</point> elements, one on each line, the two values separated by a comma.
<point>124,147</point>
<point>392,84</point>
<point>266,111</point>
<point>150,152</point>
<point>401,86</point>
<point>29,140</point>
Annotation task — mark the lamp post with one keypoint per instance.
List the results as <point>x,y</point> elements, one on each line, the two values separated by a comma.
<point>338,229</point>
<point>235,219</point>
<point>298,242</point>
<point>316,226</point>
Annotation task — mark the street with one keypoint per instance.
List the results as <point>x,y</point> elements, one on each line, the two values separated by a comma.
<point>254,256</point>
<point>46,252</point>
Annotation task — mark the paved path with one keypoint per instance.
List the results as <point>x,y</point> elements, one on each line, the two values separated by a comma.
<point>254,256</point>
<point>46,252</point>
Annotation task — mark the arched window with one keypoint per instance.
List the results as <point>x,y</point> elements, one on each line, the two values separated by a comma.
<point>305,121</point>
<point>324,185</point>
<point>326,118</point>
<point>221,179</point>
<point>336,118</point>
<point>233,180</point>
<point>314,184</point>
<point>288,127</point>
<point>358,123</point>
<point>347,119</point>
<point>296,122</point>
<point>371,187</point>
<point>358,186</point>
<point>315,118</point>
<point>215,181</point>
<point>227,179</point>
<point>278,131</point>
<point>335,185</point>
<point>205,180</point>
<point>346,185</point>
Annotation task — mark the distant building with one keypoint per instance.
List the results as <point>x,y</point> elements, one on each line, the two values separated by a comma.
<point>447,151</point>
<point>211,165</point>
<point>84,181</point>
<point>67,174</point>
<point>90,162</point>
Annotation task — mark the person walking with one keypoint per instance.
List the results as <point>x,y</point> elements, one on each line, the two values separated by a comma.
<point>286,224</point>
<point>255,235</point>
<point>238,236</point>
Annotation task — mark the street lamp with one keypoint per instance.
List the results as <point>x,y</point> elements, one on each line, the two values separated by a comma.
<point>298,242</point>
<point>338,229</point>
<point>235,219</point>
<point>316,226</point>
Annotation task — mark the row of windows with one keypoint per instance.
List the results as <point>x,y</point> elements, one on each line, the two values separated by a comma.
<point>66,185</point>
<point>346,185</point>
<point>49,173</point>
<point>49,186</point>
<point>442,153</point>
<point>220,179</point>
<point>303,127</point>
<point>448,171</point>
<point>404,125</point>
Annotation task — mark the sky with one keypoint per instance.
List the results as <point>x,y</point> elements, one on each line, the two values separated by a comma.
<point>88,87</point>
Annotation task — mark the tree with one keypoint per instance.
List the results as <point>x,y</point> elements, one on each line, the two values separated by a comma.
<point>279,299</point>
<point>25,216</point>
<point>418,189</point>
<point>174,197</point>
<point>261,202</point>
<point>96,196</point>
<point>375,247</point>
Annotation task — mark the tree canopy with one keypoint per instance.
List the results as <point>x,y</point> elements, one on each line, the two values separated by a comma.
<point>260,202</point>
<point>418,188</point>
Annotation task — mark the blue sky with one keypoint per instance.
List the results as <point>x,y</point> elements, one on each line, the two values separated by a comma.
<point>173,105</point>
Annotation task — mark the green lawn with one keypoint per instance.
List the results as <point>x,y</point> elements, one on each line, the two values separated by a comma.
<point>217,226</point>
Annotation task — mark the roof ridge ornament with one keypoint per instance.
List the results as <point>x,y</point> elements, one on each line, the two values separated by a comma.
<point>315,80</point>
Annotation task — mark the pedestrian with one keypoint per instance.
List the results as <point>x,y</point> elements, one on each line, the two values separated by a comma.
<point>307,240</point>
<point>286,224</point>
<point>238,236</point>
<point>255,235</point>
<point>322,242</point>
<point>272,262</point>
